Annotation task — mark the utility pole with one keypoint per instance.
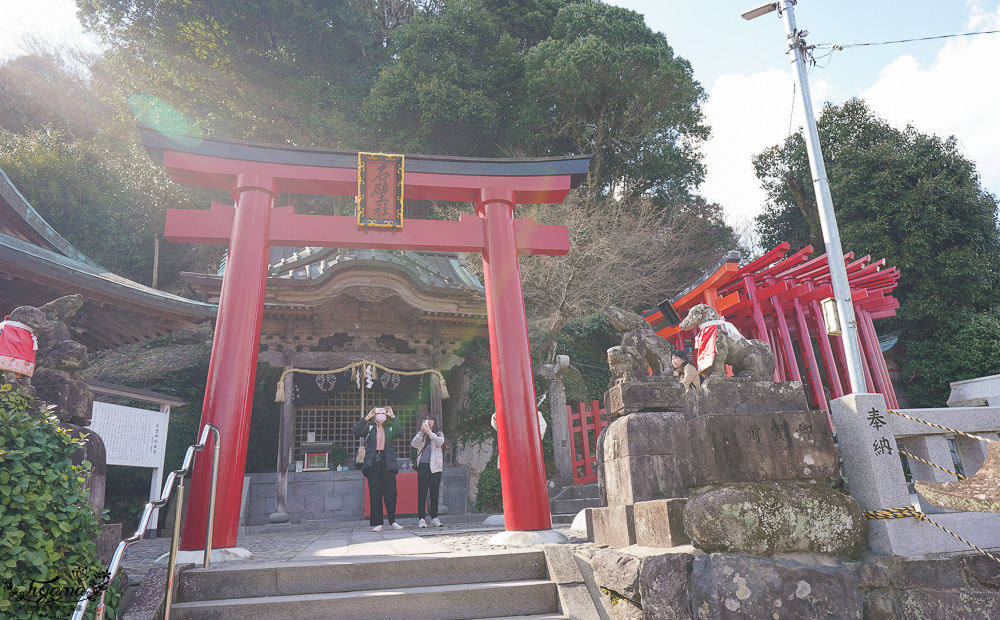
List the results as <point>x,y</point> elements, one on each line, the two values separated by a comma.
<point>827,219</point>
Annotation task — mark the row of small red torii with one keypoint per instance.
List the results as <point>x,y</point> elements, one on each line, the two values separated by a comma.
<point>257,175</point>
<point>776,298</point>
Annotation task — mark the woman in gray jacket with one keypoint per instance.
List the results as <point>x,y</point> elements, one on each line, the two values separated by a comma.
<point>430,462</point>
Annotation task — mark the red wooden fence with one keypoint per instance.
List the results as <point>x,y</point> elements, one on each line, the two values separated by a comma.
<point>584,427</point>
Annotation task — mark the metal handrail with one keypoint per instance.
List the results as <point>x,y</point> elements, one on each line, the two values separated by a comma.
<point>175,476</point>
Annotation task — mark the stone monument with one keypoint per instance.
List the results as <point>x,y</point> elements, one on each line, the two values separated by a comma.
<point>58,382</point>
<point>738,465</point>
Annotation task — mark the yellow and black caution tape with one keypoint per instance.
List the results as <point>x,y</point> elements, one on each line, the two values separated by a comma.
<point>944,428</point>
<point>947,471</point>
<point>910,511</point>
<point>279,395</point>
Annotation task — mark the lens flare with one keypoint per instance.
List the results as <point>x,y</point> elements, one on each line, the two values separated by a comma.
<point>163,117</point>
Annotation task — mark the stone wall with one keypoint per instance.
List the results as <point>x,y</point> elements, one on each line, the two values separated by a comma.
<point>681,583</point>
<point>335,495</point>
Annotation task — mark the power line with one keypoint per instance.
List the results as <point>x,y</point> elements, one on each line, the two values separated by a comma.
<point>836,47</point>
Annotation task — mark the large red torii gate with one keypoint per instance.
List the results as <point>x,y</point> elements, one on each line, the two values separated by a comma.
<point>257,174</point>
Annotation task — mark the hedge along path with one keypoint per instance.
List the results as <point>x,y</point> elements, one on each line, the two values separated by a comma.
<point>279,394</point>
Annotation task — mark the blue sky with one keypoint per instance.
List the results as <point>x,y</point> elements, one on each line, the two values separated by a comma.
<point>944,87</point>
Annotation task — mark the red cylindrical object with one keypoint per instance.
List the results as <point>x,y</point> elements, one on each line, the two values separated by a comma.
<point>233,366</point>
<point>522,470</point>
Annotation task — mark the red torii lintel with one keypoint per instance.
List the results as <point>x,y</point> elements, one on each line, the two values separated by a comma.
<point>257,174</point>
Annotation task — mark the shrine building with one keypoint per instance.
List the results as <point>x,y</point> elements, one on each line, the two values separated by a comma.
<point>328,308</point>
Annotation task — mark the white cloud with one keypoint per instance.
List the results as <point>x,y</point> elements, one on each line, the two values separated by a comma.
<point>957,94</point>
<point>748,113</point>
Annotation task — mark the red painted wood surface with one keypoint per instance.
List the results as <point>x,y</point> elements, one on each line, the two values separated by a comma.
<point>585,424</point>
<point>232,368</point>
<point>291,229</point>
<point>406,495</point>
<point>522,469</point>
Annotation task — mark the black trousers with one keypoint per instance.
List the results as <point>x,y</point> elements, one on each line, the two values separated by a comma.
<point>427,481</point>
<point>381,486</point>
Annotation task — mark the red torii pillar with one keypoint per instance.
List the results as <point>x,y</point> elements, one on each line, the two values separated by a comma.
<point>254,224</point>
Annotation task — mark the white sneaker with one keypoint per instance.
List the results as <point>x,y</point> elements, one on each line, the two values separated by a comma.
<point>396,526</point>
<point>421,523</point>
<point>436,522</point>
<point>377,528</point>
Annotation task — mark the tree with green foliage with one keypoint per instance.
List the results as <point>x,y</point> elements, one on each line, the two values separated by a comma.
<point>451,85</point>
<point>271,70</point>
<point>48,556</point>
<point>101,203</point>
<point>915,200</point>
<point>545,77</point>
<point>604,83</point>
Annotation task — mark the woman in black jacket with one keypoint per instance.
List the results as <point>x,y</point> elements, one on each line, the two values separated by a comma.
<point>379,428</point>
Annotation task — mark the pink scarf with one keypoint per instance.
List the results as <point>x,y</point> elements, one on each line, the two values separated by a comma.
<point>379,437</point>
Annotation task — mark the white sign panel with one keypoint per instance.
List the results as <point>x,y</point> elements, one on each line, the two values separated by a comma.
<point>136,437</point>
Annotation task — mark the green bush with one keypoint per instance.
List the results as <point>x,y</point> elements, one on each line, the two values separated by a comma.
<point>48,553</point>
<point>489,497</point>
<point>338,455</point>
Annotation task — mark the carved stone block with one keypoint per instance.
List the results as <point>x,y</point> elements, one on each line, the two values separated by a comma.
<point>754,447</point>
<point>614,526</point>
<point>660,523</point>
<point>654,395</point>
<point>635,459</point>
<point>739,396</point>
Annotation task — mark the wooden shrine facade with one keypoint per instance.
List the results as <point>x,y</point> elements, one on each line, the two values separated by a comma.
<point>776,298</point>
<point>326,308</point>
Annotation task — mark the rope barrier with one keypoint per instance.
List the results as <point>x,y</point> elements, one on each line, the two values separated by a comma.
<point>947,471</point>
<point>279,395</point>
<point>944,428</point>
<point>910,511</point>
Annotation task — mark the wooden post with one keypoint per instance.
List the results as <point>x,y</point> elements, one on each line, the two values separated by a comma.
<point>522,471</point>
<point>286,442</point>
<point>233,365</point>
<point>436,402</point>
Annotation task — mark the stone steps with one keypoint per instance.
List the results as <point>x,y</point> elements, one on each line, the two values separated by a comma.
<point>506,584</point>
<point>572,500</point>
<point>531,598</point>
<point>572,506</point>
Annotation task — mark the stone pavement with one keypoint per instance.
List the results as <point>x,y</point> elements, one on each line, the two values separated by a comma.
<point>339,541</point>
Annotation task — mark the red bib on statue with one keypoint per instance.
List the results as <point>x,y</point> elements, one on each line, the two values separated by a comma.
<point>705,345</point>
<point>17,348</point>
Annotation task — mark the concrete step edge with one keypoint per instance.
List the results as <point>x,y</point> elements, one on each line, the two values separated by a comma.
<point>538,617</point>
<point>303,578</point>
<point>515,598</point>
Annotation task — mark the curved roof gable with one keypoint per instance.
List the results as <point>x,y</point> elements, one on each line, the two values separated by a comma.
<point>428,270</point>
